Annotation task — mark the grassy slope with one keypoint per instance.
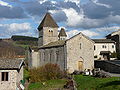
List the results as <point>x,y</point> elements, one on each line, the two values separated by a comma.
<point>91,83</point>
<point>49,85</point>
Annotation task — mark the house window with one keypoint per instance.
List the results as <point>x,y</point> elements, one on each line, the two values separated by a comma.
<point>94,47</point>
<point>80,45</point>
<point>103,46</point>
<point>112,46</point>
<point>4,76</point>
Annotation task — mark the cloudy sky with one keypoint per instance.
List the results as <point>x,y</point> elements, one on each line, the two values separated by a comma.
<point>94,18</point>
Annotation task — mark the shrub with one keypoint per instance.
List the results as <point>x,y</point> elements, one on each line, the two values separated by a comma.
<point>46,72</point>
<point>114,55</point>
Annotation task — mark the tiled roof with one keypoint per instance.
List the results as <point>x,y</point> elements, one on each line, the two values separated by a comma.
<point>103,41</point>
<point>62,32</point>
<point>10,63</point>
<point>54,44</point>
<point>47,21</point>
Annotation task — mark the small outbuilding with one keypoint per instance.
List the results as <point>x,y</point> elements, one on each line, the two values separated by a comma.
<point>11,74</point>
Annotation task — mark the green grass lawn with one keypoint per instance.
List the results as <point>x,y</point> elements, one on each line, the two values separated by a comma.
<point>49,85</point>
<point>92,83</point>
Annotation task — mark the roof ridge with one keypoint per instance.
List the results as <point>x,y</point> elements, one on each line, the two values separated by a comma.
<point>47,21</point>
<point>62,33</point>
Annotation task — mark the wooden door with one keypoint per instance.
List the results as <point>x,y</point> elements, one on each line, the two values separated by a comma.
<point>80,65</point>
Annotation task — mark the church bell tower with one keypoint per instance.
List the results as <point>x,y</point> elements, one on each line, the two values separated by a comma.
<point>48,30</point>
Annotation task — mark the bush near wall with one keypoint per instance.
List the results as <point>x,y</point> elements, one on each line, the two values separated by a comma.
<point>114,55</point>
<point>46,72</point>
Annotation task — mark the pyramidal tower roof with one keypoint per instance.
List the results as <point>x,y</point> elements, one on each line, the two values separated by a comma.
<point>47,21</point>
<point>62,33</point>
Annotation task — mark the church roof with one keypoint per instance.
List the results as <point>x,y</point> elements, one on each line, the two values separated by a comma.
<point>81,35</point>
<point>47,21</point>
<point>103,41</point>
<point>54,44</point>
<point>62,33</point>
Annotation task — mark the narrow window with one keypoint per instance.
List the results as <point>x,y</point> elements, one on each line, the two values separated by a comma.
<point>102,46</point>
<point>112,46</point>
<point>44,56</point>
<point>50,55</point>
<point>4,76</point>
<point>94,47</point>
<point>80,45</point>
<point>51,33</point>
<point>105,46</point>
<point>57,55</point>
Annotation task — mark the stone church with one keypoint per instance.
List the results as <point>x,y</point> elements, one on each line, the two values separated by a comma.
<point>75,53</point>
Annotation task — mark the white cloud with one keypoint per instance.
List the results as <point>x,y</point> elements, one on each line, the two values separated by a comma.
<point>73,18</point>
<point>22,26</point>
<point>72,33</point>
<point>42,1</point>
<point>85,32</point>
<point>77,2</point>
<point>54,11</point>
<point>79,20</point>
<point>101,4</point>
<point>108,28</point>
<point>14,28</point>
<point>53,2</point>
<point>89,33</point>
<point>5,4</point>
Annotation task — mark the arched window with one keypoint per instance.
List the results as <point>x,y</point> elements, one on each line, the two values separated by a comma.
<point>50,32</point>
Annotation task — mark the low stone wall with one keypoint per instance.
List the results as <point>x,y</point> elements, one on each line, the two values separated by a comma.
<point>107,66</point>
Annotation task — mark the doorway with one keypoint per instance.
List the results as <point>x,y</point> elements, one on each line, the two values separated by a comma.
<point>80,65</point>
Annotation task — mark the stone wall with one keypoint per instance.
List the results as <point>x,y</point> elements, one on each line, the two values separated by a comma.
<point>80,48</point>
<point>53,55</point>
<point>46,36</point>
<point>29,59</point>
<point>108,66</point>
<point>19,75</point>
<point>13,79</point>
<point>35,59</point>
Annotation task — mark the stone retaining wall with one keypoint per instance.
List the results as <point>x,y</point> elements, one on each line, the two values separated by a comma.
<point>108,66</point>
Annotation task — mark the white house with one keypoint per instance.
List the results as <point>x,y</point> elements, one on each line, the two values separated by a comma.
<point>11,74</point>
<point>103,48</point>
